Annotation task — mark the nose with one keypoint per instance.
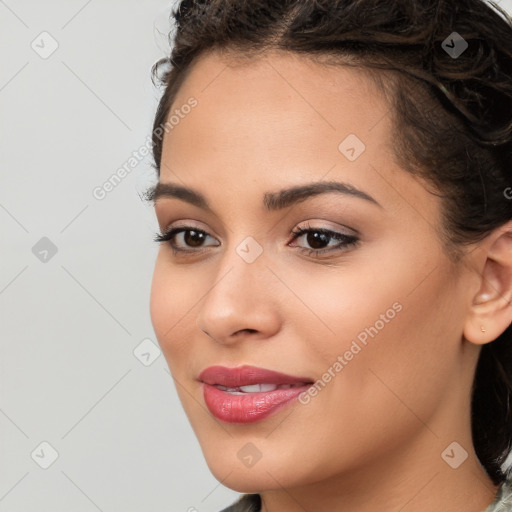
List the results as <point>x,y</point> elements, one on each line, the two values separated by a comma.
<point>242,302</point>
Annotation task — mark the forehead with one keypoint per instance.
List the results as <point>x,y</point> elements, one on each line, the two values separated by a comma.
<point>283,81</point>
<point>271,123</point>
<point>274,108</point>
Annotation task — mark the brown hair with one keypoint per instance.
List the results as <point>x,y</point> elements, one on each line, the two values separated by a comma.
<point>452,115</point>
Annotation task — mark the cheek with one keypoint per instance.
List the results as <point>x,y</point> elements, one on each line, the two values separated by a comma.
<point>400,316</point>
<point>340,305</point>
<point>405,348</point>
<point>172,312</point>
<point>393,382</point>
<point>397,334</point>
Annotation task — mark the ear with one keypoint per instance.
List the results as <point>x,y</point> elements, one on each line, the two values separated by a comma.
<point>491,310</point>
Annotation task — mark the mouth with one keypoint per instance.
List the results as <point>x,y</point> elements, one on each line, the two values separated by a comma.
<point>248,376</point>
<point>247,394</point>
<point>257,388</point>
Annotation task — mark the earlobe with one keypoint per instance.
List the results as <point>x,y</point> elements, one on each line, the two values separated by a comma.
<point>491,310</point>
<point>482,298</point>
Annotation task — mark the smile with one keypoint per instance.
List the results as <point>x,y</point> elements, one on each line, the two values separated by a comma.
<point>248,394</point>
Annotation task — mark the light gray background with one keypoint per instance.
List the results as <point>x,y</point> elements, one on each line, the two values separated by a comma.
<point>70,325</point>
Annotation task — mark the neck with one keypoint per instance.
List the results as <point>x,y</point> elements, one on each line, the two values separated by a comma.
<point>411,477</point>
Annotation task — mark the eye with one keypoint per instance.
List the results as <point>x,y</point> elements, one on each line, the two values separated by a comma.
<point>320,236</point>
<point>192,237</point>
<point>317,238</point>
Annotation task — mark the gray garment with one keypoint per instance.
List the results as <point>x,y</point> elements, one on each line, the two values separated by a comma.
<point>502,501</point>
<point>247,503</point>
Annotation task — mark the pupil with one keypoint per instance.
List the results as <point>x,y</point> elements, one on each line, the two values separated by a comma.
<point>194,239</point>
<point>190,239</point>
<point>316,238</point>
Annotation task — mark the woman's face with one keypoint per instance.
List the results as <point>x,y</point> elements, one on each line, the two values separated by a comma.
<point>377,317</point>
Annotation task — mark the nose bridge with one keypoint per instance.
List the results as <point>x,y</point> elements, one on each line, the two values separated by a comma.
<point>245,256</point>
<point>241,273</point>
<point>238,297</point>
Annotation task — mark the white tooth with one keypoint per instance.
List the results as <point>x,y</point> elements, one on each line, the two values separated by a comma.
<point>224,388</point>
<point>256,388</point>
<point>253,388</point>
<point>268,387</point>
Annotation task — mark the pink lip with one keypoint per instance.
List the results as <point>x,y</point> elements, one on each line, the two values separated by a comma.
<point>248,407</point>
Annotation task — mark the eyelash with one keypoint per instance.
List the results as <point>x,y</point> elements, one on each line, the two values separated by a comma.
<point>346,241</point>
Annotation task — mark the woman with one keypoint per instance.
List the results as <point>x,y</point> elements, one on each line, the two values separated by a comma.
<point>332,291</point>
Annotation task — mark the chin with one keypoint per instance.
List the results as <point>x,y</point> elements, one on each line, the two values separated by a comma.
<point>246,480</point>
<point>267,473</point>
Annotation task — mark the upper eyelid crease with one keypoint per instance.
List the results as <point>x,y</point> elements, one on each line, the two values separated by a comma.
<point>272,201</point>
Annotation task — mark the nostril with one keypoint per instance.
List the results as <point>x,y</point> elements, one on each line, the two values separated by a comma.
<point>248,330</point>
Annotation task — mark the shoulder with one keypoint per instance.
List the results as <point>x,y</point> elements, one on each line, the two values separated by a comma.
<point>503,500</point>
<point>246,503</point>
<point>501,503</point>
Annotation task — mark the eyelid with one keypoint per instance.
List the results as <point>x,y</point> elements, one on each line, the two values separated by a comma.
<point>310,225</point>
<point>345,241</point>
<point>186,225</point>
<point>172,231</point>
<point>348,231</point>
<point>322,224</point>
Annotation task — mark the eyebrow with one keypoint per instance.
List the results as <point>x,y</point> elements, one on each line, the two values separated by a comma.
<point>272,201</point>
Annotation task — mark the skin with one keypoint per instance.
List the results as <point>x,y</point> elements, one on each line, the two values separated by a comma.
<point>372,438</point>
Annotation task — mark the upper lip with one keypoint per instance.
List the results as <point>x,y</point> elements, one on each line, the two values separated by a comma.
<point>247,375</point>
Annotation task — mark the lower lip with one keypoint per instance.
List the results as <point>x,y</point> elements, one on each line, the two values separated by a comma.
<point>249,407</point>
